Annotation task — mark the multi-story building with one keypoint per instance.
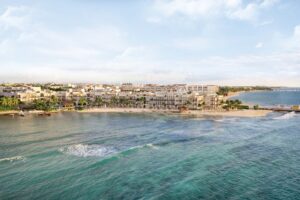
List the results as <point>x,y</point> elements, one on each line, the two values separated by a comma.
<point>126,95</point>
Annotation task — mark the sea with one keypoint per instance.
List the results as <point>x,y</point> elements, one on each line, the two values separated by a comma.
<point>278,97</point>
<point>152,156</point>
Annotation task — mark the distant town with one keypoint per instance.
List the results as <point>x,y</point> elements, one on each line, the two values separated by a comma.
<point>52,96</point>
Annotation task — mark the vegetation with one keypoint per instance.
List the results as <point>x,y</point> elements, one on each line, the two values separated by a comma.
<point>225,90</point>
<point>9,103</point>
<point>46,105</point>
<point>201,105</point>
<point>99,101</point>
<point>58,89</point>
<point>82,102</point>
<point>114,101</point>
<point>234,104</point>
<point>256,107</point>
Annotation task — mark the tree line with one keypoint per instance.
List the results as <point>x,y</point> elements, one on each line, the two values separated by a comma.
<point>226,89</point>
<point>9,103</point>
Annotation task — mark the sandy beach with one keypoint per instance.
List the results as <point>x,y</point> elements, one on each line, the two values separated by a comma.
<point>233,113</point>
<point>9,112</point>
<point>126,110</point>
<point>30,112</point>
<point>233,94</point>
<point>197,113</point>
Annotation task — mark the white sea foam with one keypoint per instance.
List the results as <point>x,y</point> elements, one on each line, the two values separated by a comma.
<point>11,159</point>
<point>82,150</point>
<point>219,120</point>
<point>151,146</point>
<point>143,146</point>
<point>286,116</point>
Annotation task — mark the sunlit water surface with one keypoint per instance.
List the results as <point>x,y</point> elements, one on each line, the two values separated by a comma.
<point>149,156</point>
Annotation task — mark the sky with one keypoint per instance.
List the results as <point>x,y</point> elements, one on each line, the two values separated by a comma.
<point>223,42</point>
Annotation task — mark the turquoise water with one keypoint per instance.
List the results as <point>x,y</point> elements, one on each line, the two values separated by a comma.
<point>149,156</point>
<point>284,97</point>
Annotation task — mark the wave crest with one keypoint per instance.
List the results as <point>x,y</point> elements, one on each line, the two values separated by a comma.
<point>82,150</point>
<point>11,159</point>
<point>286,116</point>
<point>150,145</point>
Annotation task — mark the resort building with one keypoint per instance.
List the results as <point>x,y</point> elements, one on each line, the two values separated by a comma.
<point>151,96</point>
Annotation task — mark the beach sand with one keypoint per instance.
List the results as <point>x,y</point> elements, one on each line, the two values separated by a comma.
<point>234,113</point>
<point>9,112</point>
<point>197,113</point>
<point>126,110</point>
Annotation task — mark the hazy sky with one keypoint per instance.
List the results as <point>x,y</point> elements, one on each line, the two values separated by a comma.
<point>236,42</point>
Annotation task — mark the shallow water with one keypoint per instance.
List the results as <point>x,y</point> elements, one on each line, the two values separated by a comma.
<point>149,156</point>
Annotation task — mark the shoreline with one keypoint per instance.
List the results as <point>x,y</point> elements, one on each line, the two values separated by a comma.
<point>232,113</point>
<point>9,112</point>
<point>193,113</point>
<point>233,94</point>
<point>196,113</point>
<point>126,110</point>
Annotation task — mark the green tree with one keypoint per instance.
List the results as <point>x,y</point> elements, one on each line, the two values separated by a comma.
<point>234,104</point>
<point>53,102</point>
<point>99,101</point>
<point>82,101</point>
<point>114,101</point>
<point>41,104</point>
<point>9,103</point>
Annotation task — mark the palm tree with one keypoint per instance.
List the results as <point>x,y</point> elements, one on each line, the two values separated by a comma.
<point>4,102</point>
<point>98,101</point>
<point>82,101</point>
<point>114,101</point>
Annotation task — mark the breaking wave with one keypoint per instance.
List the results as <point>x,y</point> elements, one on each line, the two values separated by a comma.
<point>83,150</point>
<point>143,146</point>
<point>11,159</point>
<point>286,116</point>
<point>219,120</point>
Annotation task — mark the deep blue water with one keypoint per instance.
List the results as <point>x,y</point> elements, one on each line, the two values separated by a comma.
<point>149,156</point>
<point>284,97</point>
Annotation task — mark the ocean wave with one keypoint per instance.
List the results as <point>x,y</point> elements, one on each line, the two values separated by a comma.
<point>11,159</point>
<point>150,145</point>
<point>286,116</point>
<point>219,120</point>
<point>83,150</point>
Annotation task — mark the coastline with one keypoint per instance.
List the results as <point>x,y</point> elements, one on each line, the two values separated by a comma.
<point>9,112</point>
<point>233,94</point>
<point>195,113</point>
<point>126,110</point>
<point>16,112</point>
<point>232,113</point>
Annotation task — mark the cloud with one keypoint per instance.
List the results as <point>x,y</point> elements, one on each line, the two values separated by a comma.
<point>35,43</point>
<point>297,32</point>
<point>269,69</point>
<point>192,43</point>
<point>32,51</point>
<point>248,13</point>
<point>155,20</point>
<point>292,43</point>
<point>232,9</point>
<point>268,3</point>
<point>14,17</point>
<point>259,45</point>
